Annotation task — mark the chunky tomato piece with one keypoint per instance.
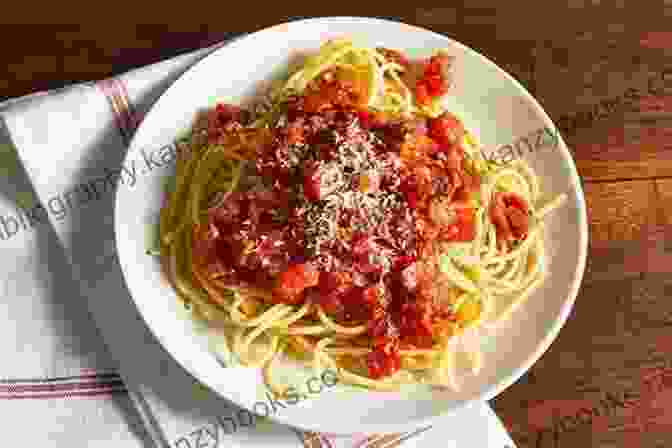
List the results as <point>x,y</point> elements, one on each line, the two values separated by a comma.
<point>515,201</point>
<point>412,199</point>
<point>446,129</point>
<point>333,289</point>
<point>337,89</point>
<point>354,297</point>
<point>292,282</point>
<point>384,360</point>
<point>364,117</point>
<point>356,303</point>
<point>379,325</point>
<point>466,223</point>
<point>226,113</point>
<point>315,102</point>
<point>295,134</point>
<point>415,324</point>
<point>402,261</point>
<point>328,95</point>
<point>471,184</point>
<point>332,303</point>
<point>409,187</point>
<point>435,64</point>
<point>381,365</point>
<point>422,93</point>
<point>510,215</point>
<point>435,85</point>
<point>331,281</point>
<point>371,297</point>
<point>464,228</point>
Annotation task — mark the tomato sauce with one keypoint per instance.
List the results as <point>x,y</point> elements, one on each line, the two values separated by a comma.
<point>341,214</point>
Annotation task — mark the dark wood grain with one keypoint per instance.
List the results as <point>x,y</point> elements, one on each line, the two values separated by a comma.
<point>608,88</point>
<point>623,152</point>
<point>615,101</point>
<point>664,187</point>
<point>620,211</point>
<point>603,72</point>
<point>80,50</point>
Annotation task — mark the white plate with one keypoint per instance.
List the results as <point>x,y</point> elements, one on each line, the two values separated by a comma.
<point>492,104</point>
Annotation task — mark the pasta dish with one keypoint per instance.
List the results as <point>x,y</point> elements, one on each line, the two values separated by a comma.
<point>349,221</point>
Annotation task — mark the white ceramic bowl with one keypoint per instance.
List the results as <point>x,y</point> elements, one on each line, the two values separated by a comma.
<point>492,105</point>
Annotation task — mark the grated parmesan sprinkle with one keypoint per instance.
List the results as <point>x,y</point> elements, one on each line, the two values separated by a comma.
<point>340,193</point>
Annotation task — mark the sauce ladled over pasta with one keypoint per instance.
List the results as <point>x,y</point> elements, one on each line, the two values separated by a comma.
<point>347,222</point>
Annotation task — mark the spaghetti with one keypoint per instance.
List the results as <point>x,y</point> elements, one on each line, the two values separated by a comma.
<point>352,223</point>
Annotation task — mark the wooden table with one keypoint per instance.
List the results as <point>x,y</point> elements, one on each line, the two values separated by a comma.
<point>602,70</point>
